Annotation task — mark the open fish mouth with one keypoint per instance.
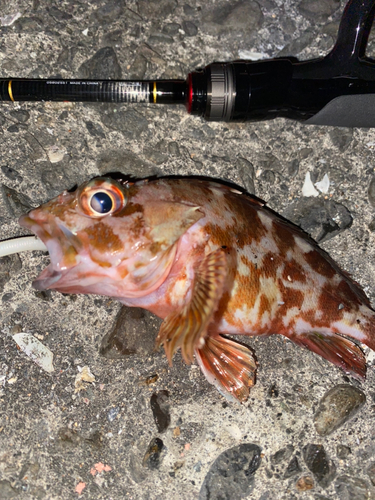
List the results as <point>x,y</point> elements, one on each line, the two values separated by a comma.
<point>62,246</point>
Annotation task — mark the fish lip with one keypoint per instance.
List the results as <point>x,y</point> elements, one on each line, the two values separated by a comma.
<point>52,274</point>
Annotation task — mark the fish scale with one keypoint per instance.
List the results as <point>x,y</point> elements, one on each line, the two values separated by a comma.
<point>211,261</point>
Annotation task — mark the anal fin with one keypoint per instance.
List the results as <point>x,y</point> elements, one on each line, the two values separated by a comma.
<point>337,349</point>
<point>228,365</point>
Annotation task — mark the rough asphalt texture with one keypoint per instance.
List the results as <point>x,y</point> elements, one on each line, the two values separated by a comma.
<point>307,431</point>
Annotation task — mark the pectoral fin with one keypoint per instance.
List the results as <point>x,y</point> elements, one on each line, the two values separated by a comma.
<point>228,365</point>
<point>186,327</point>
<point>336,349</point>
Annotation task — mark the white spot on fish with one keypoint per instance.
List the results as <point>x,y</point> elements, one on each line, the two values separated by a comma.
<point>302,244</point>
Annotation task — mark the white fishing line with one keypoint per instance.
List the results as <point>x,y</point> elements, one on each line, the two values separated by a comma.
<point>23,244</point>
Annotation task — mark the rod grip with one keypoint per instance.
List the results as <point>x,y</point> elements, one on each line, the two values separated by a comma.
<point>347,111</point>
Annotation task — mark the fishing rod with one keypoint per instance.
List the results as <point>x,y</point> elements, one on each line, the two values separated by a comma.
<point>338,89</point>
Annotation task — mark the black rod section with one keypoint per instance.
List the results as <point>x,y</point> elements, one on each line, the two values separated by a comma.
<point>338,89</point>
<point>23,89</point>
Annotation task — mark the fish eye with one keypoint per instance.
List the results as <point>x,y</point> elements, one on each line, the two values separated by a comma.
<point>101,202</point>
<point>101,197</point>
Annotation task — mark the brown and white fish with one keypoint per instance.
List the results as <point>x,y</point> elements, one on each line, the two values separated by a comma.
<point>211,261</point>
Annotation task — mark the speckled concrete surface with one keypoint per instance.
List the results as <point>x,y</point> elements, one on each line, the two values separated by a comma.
<point>53,438</point>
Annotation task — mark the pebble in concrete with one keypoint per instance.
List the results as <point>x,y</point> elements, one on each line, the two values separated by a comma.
<point>319,464</point>
<point>351,488</point>
<point>160,410</point>
<point>232,474</point>
<point>151,460</point>
<point>337,406</point>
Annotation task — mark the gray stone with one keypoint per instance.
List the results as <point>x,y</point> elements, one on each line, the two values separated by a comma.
<point>371,192</point>
<point>103,65</point>
<point>189,10</point>
<point>247,174</point>
<point>13,129</point>
<point>293,168</point>
<point>341,137</point>
<point>371,472</point>
<point>343,451</point>
<point>336,407</point>
<point>59,174</point>
<point>322,219</point>
<point>134,332</point>
<point>268,176</point>
<point>58,14</point>
<point>16,203</point>
<point>138,68</point>
<point>157,8</point>
<point>95,129</point>
<point>113,38</point>
<point>351,488</point>
<point>112,414</point>
<point>7,296</point>
<point>231,476</point>
<point>6,490</point>
<point>242,15</point>
<point>12,174</point>
<point>109,12</point>
<point>160,410</point>
<point>318,463</point>
<point>21,115</point>
<point>318,10</point>
<point>189,28</point>
<point>160,38</point>
<point>155,156</point>
<point>293,468</point>
<point>173,149</point>
<point>124,161</point>
<point>137,471</point>
<point>28,24</point>
<point>283,454</point>
<point>126,120</point>
<point>151,460</point>
<point>171,28</point>
<point>297,44</point>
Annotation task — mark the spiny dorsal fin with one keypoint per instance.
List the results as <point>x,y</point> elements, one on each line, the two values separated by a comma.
<point>186,327</point>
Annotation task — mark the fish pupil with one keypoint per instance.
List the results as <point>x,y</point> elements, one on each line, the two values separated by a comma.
<point>101,203</point>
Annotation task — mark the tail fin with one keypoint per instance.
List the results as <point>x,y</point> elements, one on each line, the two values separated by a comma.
<point>338,350</point>
<point>228,365</point>
<point>368,327</point>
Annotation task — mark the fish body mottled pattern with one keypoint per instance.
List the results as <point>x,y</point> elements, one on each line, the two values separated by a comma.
<point>209,260</point>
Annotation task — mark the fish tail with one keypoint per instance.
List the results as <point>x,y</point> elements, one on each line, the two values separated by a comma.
<point>368,329</point>
<point>228,365</point>
<point>341,351</point>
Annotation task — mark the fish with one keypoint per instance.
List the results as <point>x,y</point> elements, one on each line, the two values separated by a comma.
<point>212,261</point>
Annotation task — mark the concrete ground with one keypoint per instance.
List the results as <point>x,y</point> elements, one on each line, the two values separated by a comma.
<point>119,435</point>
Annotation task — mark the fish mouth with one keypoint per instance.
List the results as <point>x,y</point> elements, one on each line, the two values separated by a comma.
<point>62,246</point>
